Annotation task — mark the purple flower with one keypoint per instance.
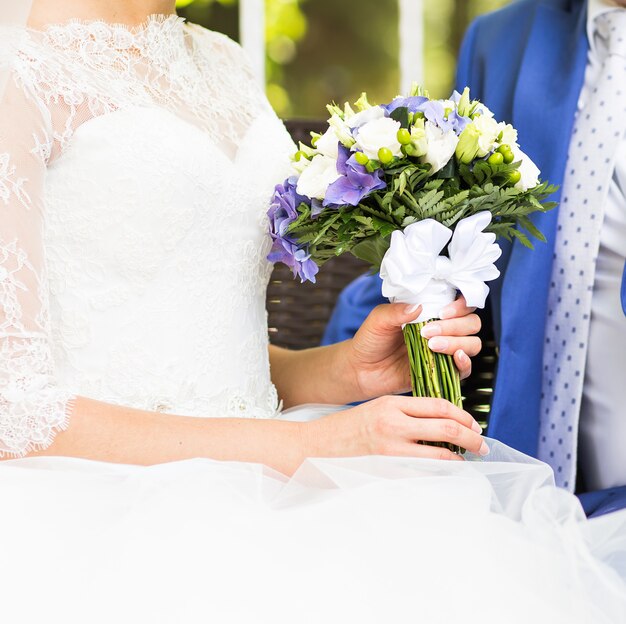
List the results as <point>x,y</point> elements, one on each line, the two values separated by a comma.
<point>355,182</point>
<point>435,112</point>
<point>283,209</point>
<point>458,122</point>
<point>296,258</point>
<point>413,103</point>
<point>282,213</point>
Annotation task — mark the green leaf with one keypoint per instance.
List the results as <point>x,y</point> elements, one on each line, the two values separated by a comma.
<point>522,238</point>
<point>532,229</point>
<point>401,114</point>
<point>372,250</point>
<point>449,171</point>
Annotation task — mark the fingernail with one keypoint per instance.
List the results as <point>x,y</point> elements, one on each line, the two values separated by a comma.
<point>447,312</point>
<point>431,330</point>
<point>438,344</point>
<point>462,356</point>
<point>476,427</point>
<point>484,449</point>
<point>412,308</point>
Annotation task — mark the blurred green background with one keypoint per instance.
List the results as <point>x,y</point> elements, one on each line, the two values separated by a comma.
<point>324,50</point>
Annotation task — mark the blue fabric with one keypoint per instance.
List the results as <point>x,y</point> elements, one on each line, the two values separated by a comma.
<point>604,501</point>
<point>623,293</point>
<point>354,304</point>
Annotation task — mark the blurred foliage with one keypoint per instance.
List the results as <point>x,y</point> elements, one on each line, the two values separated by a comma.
<point>323,50</point>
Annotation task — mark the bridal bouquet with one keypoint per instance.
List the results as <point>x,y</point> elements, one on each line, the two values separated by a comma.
<point>420,189</point>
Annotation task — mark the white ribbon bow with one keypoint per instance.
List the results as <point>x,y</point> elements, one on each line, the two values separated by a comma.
<point>413,272</point>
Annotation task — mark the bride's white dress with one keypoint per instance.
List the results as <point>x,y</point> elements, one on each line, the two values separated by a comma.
<point>135,171</point>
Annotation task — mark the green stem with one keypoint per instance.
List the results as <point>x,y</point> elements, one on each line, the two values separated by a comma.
<point>432,374</point>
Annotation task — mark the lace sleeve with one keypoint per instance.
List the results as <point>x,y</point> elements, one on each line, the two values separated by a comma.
<point>32,407</point>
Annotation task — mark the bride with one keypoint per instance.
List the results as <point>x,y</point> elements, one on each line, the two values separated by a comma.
<point>145,446</point>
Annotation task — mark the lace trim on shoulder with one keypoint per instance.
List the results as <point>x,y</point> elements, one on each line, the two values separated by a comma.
<point>81,70</point>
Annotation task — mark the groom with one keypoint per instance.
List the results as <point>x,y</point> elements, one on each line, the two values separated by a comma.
<point>556,69</point>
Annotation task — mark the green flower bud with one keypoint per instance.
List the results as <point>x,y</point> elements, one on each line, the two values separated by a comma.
<point>300,155</point>
<point>465,104</point>
<point>404,136</point>
<point>507,153</point>
<point>333,109</point>
<point>496,159</point>
<point>361,158</point>
<point>372,166</point>
<point>362,103</point>
<point>515,177</point>
<point>417,90</point>
<point>309,152</point>
<point>419,142</point>
<point>385,155</point>
<point>468,146</point>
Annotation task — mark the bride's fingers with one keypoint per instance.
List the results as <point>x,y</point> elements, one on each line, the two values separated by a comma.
<point>446,430</point>
<point>456,309</point>
<point>465,326</point>
<point>470,345</point>
<point>425,408</point>
<point>388,317</point>
<point>463,364</point>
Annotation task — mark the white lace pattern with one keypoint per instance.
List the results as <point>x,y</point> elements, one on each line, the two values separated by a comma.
<point>135,171</point>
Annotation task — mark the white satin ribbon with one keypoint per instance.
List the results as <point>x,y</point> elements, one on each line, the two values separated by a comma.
<point>414,272</point>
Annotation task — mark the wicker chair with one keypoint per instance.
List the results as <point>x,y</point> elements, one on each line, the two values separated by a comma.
<point>298,313</point>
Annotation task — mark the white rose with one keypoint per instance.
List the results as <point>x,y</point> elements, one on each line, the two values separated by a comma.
<point>370,114</point>
<point>529,171</point>
<point>317,177</point>
<point>328,144</point>
<point>489,130</point>
<point>374,135</point>
<point>441,147</point>
<point>509,134</point>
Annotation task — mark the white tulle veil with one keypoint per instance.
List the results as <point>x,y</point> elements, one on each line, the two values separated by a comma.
<point>13,19</point>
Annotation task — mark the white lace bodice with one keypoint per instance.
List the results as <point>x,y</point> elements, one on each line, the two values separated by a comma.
<point>135,171</point>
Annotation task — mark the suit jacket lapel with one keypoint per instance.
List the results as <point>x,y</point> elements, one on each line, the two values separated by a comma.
<point>546,98</point>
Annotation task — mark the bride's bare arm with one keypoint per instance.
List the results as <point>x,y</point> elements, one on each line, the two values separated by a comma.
<point>387,426</point>
<point>111,433</point>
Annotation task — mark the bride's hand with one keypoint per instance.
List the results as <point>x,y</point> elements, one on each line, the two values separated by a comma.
<point>376,357</point>
<point>392,425</point>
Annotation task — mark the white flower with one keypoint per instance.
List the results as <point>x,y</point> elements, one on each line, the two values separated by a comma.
<point>317,177</point>
<point>370,114</point>
<point>509,134</point>
<point>489,130</point>
<point>328,144</point>
<point>377,134</point>
<point>341,130</point>
<point>300,165</point>
<point>441,147</point>
<point>529,171</point>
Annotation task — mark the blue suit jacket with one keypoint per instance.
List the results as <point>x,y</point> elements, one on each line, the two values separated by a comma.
<point>527,63</point>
